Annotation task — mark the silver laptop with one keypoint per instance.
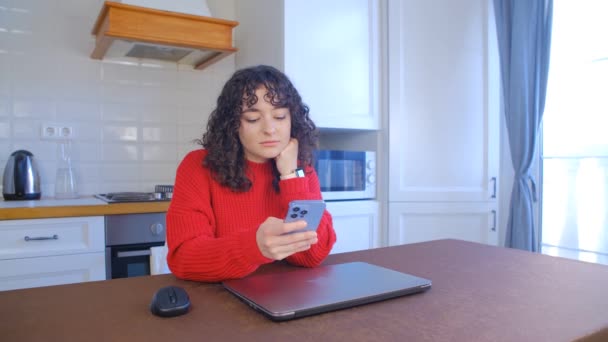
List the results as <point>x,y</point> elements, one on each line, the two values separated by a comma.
<point>309,291</point>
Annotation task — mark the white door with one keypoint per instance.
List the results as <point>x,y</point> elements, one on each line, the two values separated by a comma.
<point>417,222</point>
<point>443,101</point>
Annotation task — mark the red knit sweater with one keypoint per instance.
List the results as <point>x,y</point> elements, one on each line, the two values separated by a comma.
<point>211,230</point>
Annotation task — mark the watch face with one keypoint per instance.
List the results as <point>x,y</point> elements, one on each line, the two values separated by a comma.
<point>299,172</point>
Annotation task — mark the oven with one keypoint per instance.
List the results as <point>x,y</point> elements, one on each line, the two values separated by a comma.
<point>346,175</point>
<point>128,241</point>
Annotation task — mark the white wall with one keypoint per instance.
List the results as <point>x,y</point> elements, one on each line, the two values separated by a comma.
<point>132,122</point>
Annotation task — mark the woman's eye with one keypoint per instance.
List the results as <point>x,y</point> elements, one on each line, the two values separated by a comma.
<point>251,120</point>
<point>282,117</point>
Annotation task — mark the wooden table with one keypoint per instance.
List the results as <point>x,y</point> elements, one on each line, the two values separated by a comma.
<point>479,293</point>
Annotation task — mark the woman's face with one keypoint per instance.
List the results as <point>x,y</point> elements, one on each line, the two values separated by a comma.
<point>265,130</point>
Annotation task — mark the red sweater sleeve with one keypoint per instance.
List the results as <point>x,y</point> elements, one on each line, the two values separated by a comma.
<point>195,252</point>
<point>309,188</point>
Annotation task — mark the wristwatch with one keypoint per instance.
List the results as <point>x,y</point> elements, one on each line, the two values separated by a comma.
<point>297,173</point>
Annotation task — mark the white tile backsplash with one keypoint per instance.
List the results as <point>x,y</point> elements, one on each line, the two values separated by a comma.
<point>4,107</point>
<point>77,91</point>
<point>29,68</point>
<point>87,132</point>
<point>195,116</point>
<point>133,120</point>
<point>165,134</point>
<point>32,90</point>
<point>87,172</point>
<point>84,152</point>
<point>74,110</point>
<point>33,109</point>
<point>117,111</point>
<point>33,7</point>
<point>187,133</point>
<point>123,93</point>
<point>4,69</point>
<point>5,129</point>
<point>158,76</point>
<point>120,152</point>
<point>120,172</point>
<point>86,9</point>
<point>157,172</point>
<point>158,113</point>
<point>71,69</point>
<point>119,133</point>
<point>120,74</point>
<point>159,152</point>
<point>26,129</point>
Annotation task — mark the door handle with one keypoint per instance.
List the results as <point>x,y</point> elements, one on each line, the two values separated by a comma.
<point>128,254</point>
<point>493,179</point>
<point>493,220</point>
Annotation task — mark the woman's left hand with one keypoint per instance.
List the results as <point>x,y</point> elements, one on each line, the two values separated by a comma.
<point>287,160</point>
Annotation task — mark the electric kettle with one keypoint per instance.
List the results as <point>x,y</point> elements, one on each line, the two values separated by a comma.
<point>21,177</point>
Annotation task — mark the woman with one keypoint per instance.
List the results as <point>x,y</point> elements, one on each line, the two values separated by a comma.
<point>225,218</point>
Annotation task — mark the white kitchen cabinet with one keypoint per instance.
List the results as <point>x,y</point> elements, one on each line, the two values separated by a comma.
<point>329,49</point>
<point>418,222</point>
<point>444,120</point>
<point>55,251</point>
<point>356,225</point>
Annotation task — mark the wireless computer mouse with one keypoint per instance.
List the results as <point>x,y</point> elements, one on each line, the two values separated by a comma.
<point>170,301</point>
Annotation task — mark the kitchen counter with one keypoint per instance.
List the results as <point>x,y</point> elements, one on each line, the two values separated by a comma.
<point>84,206</point>
<point>479,293</point>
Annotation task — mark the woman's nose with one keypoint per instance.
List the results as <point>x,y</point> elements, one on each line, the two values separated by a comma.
<point>269,128</point>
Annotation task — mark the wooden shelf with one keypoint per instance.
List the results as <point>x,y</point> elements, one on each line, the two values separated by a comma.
<point>151,26</point>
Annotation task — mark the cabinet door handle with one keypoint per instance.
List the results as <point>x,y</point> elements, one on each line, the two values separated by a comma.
<point>493,179</point>
<point>493,220</point>
<point>40,238</point>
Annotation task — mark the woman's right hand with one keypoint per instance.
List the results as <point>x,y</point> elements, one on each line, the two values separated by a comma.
<point>275,244</point>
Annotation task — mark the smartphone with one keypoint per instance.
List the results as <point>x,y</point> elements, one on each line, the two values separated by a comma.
<point>310,211</point>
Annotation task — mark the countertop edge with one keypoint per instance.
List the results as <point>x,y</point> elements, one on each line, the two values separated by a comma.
<point>82,210</point>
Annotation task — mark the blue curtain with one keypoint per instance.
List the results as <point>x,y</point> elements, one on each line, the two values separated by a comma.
<point>524,37</point>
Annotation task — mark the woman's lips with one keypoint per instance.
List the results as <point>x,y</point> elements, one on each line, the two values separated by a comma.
<point>270,143</point>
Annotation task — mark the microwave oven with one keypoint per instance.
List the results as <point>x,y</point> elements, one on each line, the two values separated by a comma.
<point>346,175</point>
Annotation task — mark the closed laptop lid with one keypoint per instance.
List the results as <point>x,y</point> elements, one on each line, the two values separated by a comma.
<point>308,291</point>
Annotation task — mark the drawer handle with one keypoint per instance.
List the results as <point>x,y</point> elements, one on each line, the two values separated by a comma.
<point>40,238</point>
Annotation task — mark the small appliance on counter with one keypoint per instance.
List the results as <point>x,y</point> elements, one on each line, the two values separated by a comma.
<point>346,175</point>
<point>161,193</point>
<point>21,177</point>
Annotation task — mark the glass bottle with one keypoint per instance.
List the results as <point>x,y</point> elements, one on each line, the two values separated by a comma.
<point>66,186</point>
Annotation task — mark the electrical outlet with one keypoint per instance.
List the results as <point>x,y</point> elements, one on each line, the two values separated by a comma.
<point>56,131</point>
<point>66,132</point>
<point>48,131</point>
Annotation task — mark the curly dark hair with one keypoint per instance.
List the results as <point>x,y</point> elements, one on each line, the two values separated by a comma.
<point>226,158</point>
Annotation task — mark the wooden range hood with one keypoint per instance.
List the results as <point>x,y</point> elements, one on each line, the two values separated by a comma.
<point>183,38</point>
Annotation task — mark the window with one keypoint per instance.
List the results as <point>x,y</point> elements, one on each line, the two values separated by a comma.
<point>575,134</point>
